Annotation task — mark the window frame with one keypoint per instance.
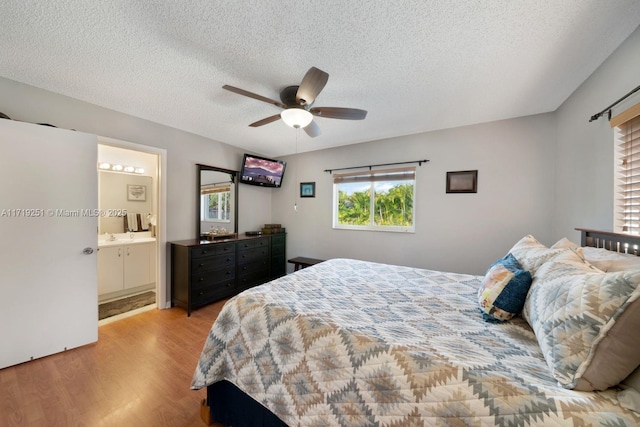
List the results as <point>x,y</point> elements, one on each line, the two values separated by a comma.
<point>375,176</point>
<point>626,214</point>
<point>204,204</point>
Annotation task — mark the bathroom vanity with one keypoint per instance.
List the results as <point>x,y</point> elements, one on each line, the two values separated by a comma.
<point>126,265</point>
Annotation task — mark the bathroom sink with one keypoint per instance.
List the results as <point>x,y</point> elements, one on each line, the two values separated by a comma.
<point>121,241</point>
<point>137,239</point>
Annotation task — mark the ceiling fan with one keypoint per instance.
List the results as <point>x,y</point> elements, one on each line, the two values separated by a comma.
<point>297,102</point>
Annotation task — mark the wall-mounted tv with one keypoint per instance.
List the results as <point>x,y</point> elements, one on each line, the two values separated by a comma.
<point>262,171</point>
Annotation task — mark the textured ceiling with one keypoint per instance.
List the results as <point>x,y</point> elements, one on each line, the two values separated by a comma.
<point>414,65</point>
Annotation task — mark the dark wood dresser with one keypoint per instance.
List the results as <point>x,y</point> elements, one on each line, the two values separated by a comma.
<point>278,255</point>
<point>203,271</point>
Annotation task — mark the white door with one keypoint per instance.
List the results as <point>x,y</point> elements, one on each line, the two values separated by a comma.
<point>48,206</point>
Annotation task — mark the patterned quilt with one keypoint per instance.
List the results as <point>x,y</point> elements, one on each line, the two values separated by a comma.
<point>354,343</point>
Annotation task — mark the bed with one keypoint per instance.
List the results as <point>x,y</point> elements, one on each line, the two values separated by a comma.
<point>355,343</point>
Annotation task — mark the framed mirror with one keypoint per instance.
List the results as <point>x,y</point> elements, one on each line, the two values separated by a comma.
<point>217,215</point>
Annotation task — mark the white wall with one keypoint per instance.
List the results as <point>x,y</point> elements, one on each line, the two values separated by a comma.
<point>584,188</point>
<point>454,232</point>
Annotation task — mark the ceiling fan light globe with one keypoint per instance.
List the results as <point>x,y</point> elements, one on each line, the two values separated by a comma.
<point>296,117</point>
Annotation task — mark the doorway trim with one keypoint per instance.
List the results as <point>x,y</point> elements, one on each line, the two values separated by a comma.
<point>162,301</point>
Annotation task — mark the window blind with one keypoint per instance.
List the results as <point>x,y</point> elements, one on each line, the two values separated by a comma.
<point>397,174</point>
<point>627,207</point>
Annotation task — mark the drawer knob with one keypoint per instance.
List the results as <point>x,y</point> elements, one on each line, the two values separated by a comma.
<point>201,293</point>
<point>202,279</point>
<point>201,265</point>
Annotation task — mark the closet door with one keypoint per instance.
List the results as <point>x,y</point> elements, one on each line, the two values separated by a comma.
<point>48,257</point>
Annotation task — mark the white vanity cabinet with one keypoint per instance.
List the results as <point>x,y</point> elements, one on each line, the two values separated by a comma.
<point>123,267</point>
<point>137,265</point>
<point>110,269</point>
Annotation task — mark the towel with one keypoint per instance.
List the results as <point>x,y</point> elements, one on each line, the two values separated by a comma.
<point>132,222</point>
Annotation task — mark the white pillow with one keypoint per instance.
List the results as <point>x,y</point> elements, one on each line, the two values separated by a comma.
<point>611,261</point>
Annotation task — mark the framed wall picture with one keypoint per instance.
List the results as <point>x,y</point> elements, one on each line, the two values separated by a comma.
<point>462,182</point>
<point>137,192</point>
<point>307,189</point>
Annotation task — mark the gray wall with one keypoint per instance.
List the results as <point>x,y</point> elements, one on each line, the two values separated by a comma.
<point>584,187</point>
<point>543,175</point>
<point>454,232</point>
<point>184,150</point>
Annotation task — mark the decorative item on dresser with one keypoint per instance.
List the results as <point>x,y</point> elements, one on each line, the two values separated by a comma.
<point>205,271</point>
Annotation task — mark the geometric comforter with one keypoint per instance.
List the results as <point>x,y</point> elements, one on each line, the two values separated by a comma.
<point>355,343</point>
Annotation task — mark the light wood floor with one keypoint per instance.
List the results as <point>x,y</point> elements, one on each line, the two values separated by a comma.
<point>137,374</point>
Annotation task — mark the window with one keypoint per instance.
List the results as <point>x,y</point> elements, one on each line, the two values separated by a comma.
<point>375,200</point>
<point>215,203</point>
<point>627,179</point>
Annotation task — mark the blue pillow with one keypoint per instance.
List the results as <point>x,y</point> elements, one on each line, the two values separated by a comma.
<point>503,290</point>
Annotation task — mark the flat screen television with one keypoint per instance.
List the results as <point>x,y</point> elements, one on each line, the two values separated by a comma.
<point>261,171</point>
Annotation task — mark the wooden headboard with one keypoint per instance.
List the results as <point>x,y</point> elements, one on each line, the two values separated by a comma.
<point>616,242</point>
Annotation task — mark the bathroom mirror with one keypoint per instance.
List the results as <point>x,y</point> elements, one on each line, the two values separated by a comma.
<point>126,200</point>
<point>217,215</point>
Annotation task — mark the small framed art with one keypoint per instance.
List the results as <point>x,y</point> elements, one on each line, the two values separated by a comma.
<point>137,192</point>
<point>307,189</point>
<point>462,182</point>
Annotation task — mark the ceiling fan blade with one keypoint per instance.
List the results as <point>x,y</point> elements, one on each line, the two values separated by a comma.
<point>312,129</point>
<point>254,96</point>
<point>265,121</point>
<point>339,113</point>
<point>312,83</point>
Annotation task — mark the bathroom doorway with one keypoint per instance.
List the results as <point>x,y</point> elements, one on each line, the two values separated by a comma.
<point>131,210</point>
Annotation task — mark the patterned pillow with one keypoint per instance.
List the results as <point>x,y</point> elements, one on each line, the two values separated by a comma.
<point>503,290</point>
<point>531,254</point>
<point>585,321</point>
<point>629,397</point>
<point>564,243</point>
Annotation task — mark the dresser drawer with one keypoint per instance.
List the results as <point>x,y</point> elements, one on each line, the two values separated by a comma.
<point>277,250</point>
<point>198,265</point>
<point>212,249</point>
<point>261,265</point>
<point>278,267</point>
<point>278,239</point>
<point>206,294</point>
<point>253,255</point>
<point>211,278</point>
<point>252,278</point>
<point>253,243</point>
